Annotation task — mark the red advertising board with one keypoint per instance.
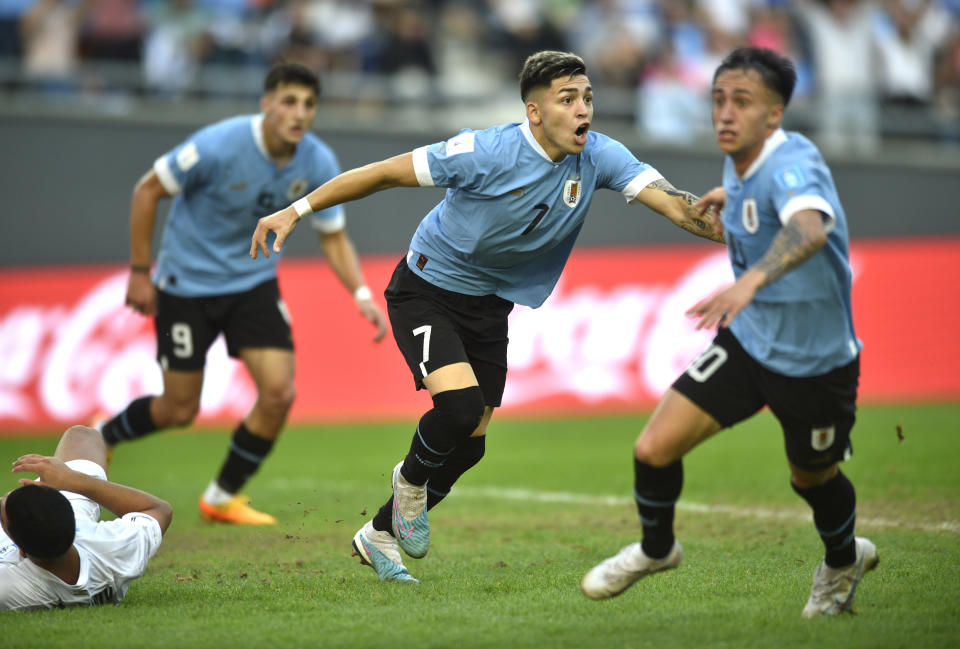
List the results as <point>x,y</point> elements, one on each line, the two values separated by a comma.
<point>612,337</point>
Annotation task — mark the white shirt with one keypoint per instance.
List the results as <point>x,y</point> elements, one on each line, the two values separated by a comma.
<point>112,554</point>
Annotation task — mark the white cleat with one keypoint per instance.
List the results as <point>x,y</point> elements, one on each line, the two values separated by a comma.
<point>379,551</point>
<point>616,574</point>
<point>834,588</point>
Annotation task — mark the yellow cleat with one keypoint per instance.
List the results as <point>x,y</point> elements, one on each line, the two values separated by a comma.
<point>237,510</point>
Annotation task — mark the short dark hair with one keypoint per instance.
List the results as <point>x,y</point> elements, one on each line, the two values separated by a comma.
<point>40,521</point>
<point>777,72</point>
<point>288,72</point>
<point>540,69</point>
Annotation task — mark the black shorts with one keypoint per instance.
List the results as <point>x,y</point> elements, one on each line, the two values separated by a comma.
<point>187,326</point>
<point>435,327</point>
<point>816,413</point>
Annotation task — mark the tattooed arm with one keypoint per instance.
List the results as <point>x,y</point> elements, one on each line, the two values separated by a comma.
<point>802,236</point>
<point>679,206</point>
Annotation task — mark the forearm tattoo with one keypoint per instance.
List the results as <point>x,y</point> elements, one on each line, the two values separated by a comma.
<point>691,221</point>
<point>794,244</point>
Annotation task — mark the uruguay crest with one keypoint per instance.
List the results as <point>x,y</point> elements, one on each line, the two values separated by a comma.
<point>822,438</point>
<point>571,192</point>
<point>749,216</point>
<point>296,189</point>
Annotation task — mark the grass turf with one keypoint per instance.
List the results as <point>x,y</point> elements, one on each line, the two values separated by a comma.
<point>504,565</point>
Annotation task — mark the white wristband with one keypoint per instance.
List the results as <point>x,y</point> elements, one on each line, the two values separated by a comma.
<point>362,293</point>
<point>302,207</point>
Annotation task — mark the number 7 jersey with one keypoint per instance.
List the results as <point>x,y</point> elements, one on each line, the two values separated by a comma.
<point>511,215</point>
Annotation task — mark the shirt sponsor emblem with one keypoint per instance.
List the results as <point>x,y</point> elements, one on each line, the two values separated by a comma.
<point>749,216</point>
<point>297,188</point>
<point>188,156</point>
<point>571,192</point>
<point>822,438</point>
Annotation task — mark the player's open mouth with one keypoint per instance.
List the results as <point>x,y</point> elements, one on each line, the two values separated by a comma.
<point>580,135</point>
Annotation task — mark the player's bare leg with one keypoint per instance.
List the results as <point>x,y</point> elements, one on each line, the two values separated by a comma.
<point>272,371</point>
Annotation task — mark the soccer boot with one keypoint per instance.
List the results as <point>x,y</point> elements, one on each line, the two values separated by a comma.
<point>612,576</point>
<point>409,520</point>
<point>379,551</point>
<point>237,510</point>
<point>834,588</point>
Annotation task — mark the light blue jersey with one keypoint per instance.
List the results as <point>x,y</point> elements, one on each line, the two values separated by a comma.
<point>510,215</point>
<point>223,180</point>
<point>801,324</point>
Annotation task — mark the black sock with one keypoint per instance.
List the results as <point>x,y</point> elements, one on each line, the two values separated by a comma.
<point>465,456</point>
<point>133,422</point>
<point>656,491</point>
<point>834,505</point>
<point>246,453</point>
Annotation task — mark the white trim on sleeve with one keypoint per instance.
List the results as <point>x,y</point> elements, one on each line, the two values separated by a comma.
<point>167,179</point>
<point>329,224</point>
<point>636,185</point>
<point>422,167</point>
<point>808,202</point>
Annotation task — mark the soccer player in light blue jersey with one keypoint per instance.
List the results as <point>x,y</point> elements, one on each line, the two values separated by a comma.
<point>785,340</point>
<point>516,198</point>
<point>222,179</point>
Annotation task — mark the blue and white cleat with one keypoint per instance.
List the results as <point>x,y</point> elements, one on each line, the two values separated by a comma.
<point>379,551</point>
<point>409,520</point>
<point>834,588</point>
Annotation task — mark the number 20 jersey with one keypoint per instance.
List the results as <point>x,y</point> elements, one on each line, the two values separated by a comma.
<point>801,324</point>
<point>511,215</point>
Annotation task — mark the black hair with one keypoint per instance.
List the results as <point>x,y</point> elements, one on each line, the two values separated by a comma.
<point>287,72</point>
<point>40,521</point>
<point>777,72</point>
<point>540,69</point>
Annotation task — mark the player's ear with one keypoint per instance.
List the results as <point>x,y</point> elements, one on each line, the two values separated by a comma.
<point>533,112</point>
<point>264,102</point>
<point>774,115</point>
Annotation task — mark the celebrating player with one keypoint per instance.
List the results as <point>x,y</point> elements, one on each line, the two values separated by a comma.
<point>517,195</point>
<point>786,338</point>
<point>54,550</point>
<point>224,177</point>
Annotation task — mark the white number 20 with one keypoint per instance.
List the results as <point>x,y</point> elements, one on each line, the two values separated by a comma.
<point>707,363</point>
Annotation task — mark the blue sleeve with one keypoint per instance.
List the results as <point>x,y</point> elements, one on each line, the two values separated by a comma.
<point>463,162</point>
<point>190,165</point>
<point>617,167</point>
<point>800,183</point>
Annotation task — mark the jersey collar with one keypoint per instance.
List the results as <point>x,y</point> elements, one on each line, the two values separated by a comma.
<point>776,138</point>
<point>256,126</point>
<point>532,141</point>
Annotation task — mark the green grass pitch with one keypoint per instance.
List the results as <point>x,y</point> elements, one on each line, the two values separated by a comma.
<point>509,546</point>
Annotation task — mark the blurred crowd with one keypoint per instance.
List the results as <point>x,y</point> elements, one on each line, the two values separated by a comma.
<point>866,67</point>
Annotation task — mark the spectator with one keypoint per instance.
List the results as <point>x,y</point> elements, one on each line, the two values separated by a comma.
<point>908,39</point>
<point>844,61</point>
<point>50,30</point>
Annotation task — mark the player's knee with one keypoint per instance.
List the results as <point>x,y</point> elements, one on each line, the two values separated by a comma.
<point>652,454</point>
<point>81,435</point>
<point>180,413</point>
<point>460,411</point>
<point>277,399</point>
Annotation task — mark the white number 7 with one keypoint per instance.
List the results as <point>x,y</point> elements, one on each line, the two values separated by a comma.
<point>425,330</point>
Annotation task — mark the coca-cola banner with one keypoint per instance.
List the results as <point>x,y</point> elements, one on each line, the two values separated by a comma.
<point>612,337</point>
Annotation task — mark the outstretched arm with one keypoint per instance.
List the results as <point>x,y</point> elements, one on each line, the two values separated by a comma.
<point>339,251</point>
<point>798,240</point>
<point>349,186</point>
<point>118,498</point>
<point>680,207</point>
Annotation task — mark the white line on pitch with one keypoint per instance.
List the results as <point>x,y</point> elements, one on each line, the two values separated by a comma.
<point>507,493</point>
